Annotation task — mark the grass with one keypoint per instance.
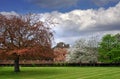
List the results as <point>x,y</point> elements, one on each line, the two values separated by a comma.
<point>61,73</point>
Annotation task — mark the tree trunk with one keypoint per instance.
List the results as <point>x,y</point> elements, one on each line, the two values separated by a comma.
<point>16,64</point>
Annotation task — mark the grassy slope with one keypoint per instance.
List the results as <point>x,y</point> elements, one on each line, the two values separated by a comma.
<point>61,73</point>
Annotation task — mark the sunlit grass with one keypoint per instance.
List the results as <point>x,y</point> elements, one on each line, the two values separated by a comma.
<point>61,73</point>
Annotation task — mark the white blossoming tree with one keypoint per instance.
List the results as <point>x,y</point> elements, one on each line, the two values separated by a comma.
<point>83,51</point>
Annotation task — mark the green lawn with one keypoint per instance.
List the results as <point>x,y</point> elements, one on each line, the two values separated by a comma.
<point>61,73</point>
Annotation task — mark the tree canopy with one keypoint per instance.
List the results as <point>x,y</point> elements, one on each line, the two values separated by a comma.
<point>23,36</point>
<point>108,47</point>
<point>83,51</point>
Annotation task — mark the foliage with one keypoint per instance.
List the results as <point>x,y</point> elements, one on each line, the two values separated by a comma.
<point>21,35</point>
<point>114,56</point>
<point>109,45</point>
<point>24,36</point>
<point>59,54</point>
<point>83,51</point>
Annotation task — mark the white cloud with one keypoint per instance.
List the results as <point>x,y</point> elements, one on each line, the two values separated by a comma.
<point>9,13</point>
<point>80,22</point>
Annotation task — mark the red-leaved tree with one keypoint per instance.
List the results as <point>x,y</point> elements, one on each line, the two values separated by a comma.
<point>60,54</point>
<point>22,36</point>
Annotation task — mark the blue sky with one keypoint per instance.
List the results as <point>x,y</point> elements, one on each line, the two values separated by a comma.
<point>75,18</point>
<point>40,6</point>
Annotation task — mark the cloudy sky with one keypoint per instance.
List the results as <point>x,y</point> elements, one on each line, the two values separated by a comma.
<point>75,18</point>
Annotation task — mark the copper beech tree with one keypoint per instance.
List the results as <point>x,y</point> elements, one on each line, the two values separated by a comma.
<point>60,54</point>
<point>24,37</point>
